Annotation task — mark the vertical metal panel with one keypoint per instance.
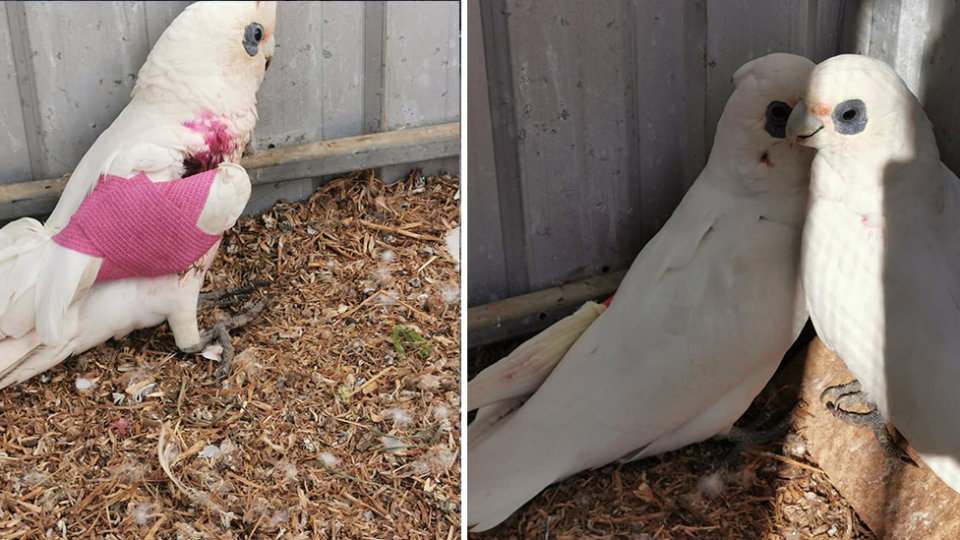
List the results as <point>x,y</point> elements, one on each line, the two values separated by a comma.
<point>81,84</point>
<point>313,87</point>
<point>421,53</point>
<point>485,231</point>
<point>919,38</point>
<point>602,97</point>
<point>574,141</point>
<point>500,85</point>
<point>14,152</point>
<point>342,62</point>
<point>421,70</point>
<point>67,69</point>
<point>670,104</point>
<point>603,114</point>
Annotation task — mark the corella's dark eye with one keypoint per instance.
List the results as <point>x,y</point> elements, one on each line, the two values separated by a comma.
<point>850,117</point>
<point>777,114</point>
<point>252,36</point>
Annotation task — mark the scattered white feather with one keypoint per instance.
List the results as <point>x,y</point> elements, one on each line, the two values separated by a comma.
<point>429,382</point>
<point>399,417</point>
<point>453,244</point>
<point>711,485</point>
<point>392,444</point>
<point>442,414</point>
<point>141,512</point>
<point>746,478</point>
<point>329,459</point>
<point>210,451</point>
<point>143,391</point>
<point>795,445</point>
<point>288,470</point>
<point>227,447</point>
<point>439,460</point>
<point>388,256</point>
<point>450,293</point>
<point>382,275</point>
<point>276,519</point>
<point>213,352</point>
<point>84,384</point>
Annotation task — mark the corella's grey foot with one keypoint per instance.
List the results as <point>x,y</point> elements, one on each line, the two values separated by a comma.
<point>220,334</point>
<point>227,297</point>
<point>835,392</point>
<point>751,435</point>
<point>850,395</point>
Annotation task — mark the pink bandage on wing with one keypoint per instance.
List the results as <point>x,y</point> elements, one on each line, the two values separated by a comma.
<point>139,228</point>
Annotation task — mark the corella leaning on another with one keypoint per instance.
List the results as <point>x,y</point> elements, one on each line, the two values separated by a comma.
<point>881,256</point>
<point>697,327</point>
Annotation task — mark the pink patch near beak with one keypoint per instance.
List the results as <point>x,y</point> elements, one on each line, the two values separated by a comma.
<point>819,109</point>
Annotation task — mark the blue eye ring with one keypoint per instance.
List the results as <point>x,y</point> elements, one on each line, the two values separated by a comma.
<point>850,117</point>
<point>252,36</point>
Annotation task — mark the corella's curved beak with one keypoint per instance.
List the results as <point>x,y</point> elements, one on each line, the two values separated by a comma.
<point>269,47</point>
<point>801,125</point>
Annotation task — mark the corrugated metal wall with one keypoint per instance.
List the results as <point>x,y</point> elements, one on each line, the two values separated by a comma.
<point>341,69</point>
<point>921,40</point>
<point>592,119</point>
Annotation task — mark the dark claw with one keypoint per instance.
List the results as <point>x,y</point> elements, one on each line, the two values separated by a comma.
<point>752,436</point>
<point>850,394</point>
<point>220,298</point>
<point>839,390</point>
<point>220,333</point>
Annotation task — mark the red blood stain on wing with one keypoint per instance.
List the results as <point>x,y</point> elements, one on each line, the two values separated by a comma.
<point>607,303</point>
<point>219,144</point>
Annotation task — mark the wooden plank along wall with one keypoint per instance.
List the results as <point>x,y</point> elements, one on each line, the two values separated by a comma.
<point>66,71</point>
<point>591,119</point>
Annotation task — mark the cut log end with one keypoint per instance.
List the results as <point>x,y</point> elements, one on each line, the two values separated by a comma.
<point>897,501</point>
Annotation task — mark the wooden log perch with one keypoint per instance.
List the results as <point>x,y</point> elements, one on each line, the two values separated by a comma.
<point>897,502</point>
<point>278,165</point>
<point>498,321</point>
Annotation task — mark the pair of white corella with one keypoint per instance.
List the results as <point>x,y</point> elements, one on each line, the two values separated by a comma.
<point>839,209</point>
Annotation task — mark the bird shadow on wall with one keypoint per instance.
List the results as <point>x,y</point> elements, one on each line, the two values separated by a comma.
<point>911,389</point>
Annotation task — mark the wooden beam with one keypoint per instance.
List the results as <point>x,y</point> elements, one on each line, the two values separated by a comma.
<point>278,165</point>
<point>499,321</point>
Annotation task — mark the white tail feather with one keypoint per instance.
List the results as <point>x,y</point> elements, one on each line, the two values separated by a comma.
<point>22,252</point>
<point>488,416</point>
<point>65,273</point>
<point>525,369</point>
